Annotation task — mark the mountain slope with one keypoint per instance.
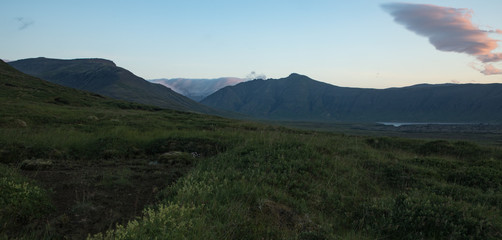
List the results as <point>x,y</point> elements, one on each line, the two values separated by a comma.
<point>76,165</point>
<point>19,89</point>
<point>197,89</point>
<point>300,98</point>
<point>61,147</point>
<point>104,77</point>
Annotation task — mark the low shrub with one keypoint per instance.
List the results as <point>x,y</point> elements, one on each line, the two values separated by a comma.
<point>459,149</point>
<point>170,221</point>
<point>21,201</point>
<point>415,216</point>
<point>480,177</point>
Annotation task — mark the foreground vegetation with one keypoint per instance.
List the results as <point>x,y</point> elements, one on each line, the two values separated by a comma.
<point>228,179</point>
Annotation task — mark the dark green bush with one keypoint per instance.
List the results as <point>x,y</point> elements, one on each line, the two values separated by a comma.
<point>479,177</point>
<point>15,153</point>
<point>387,143</point>
<point>427,216</point>
<point>465,149</point>
<point>459,149</point>
<point>21,201</point>
<point>439,147</point>
<point>395,175</point>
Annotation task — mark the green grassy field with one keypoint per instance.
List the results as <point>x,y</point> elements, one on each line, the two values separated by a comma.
<point>76,165</point>
<point>484,134</point>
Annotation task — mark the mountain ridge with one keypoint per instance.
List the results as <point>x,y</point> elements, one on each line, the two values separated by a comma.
<point>300,98</point>
<point>104,77</point>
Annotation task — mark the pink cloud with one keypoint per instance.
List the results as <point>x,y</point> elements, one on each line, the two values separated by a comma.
<point>492,57</point>
<point>491,70</point>
<point>448,29</point>
<point>494,31</point>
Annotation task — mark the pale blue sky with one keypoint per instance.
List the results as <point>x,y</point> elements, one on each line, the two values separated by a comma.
<point>346,43</point>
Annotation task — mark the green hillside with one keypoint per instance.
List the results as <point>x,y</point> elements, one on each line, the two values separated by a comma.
<point>103,77</point>
<point>74,164</point>
<point>299,98</point>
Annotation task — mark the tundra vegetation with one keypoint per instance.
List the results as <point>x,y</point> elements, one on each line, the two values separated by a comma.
<point>77,165</point>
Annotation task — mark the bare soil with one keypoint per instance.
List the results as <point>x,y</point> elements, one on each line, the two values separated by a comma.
<point>93,197</point>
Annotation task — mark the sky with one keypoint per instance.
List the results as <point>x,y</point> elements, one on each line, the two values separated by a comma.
<point>357,43</point>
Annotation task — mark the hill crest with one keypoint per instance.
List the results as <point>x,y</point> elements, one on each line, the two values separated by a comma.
<point>300,98</point>
<point>103,77</point>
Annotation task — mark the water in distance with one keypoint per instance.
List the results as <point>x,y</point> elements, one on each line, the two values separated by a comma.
<point>399,124</point>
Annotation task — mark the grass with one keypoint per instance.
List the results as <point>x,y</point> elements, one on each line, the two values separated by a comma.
<point>22,202</point>
<point>309,185</point>
<point>120,171</point>
<point>258,181</point>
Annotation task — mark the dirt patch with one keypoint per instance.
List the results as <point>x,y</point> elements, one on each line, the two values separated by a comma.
<point>94,197</point>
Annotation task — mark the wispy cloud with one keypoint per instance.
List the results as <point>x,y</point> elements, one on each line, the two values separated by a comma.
<point>491,70</point>
<point>253,75</point>
<point>486,68</point>
<point>24,23</point>
<point>448,29</point>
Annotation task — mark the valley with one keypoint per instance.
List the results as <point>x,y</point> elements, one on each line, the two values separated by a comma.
<point>250,120</point>
<point>78,165</point>
<point>486,134</point>
<point>197,89</point>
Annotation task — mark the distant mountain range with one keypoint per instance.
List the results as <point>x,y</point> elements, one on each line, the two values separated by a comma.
<point>104,77</point>
<point>197,89</point>
<point>300,98</point>
<point>294,98</point>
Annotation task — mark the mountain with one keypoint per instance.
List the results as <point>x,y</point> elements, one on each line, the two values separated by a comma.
<point>104,77</point>
<point>197,89</point>
<point>77,165</point>
<point>300,98</point>
<point>40,102</point>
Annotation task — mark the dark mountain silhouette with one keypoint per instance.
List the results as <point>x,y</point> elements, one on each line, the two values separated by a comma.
<point>300,98</point>
<point>104,77</point>
<point>20,92</point>
<point>197,89</point>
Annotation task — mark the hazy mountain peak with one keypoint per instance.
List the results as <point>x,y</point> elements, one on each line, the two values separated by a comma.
<point>197,89</point>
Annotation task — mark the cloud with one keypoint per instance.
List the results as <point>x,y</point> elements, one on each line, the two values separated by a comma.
<point>486,69</point>
<point>448,29</point>
<point>253,75</point>
<point>494,31</point>
<point>491,70</point>
<point>492,57</point>
<point>24,23</point>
